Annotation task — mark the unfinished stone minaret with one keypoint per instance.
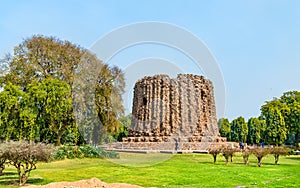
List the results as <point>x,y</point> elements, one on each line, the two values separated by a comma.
<point>181,109</point>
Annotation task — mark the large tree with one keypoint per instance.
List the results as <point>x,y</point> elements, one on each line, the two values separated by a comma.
<point>97,98</point>
<point>224,127</point>
<point>239,130</point>
<point>40,58</point>
<point>276,130</point>
<point>292,119</point>
<point>52,99</point>
<point>255,129</point>
<point>109,85</point>
<point>17,117</point>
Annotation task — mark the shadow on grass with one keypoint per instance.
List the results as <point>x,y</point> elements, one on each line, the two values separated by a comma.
<point>9,182</point>
<point>35,180</point>
<point>14,181</point>
<point>9,174</point>
<point>223,163</point>
<point>238,164</point>
<point>204,162</point>
<point>294,158</point>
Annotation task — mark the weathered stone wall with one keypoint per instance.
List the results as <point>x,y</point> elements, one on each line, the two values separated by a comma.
<point>166,109</point>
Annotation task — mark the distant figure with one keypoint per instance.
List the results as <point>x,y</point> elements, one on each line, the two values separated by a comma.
<point>176,145</point>
<point>262,144</point>
<point>241,145</point>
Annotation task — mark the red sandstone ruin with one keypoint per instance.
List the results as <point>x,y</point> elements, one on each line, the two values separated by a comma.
<point>167,110</point>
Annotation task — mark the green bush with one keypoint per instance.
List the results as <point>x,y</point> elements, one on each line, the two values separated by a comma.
<point>106,154</point>
<point>86,151</point>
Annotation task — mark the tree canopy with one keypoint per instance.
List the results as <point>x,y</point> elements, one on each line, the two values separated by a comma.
<point>39,86</point>
<point>224,127</point>
<point>239,130</point>
<point>279,120</point>
<point>256,127</point>
<point>292,118</point>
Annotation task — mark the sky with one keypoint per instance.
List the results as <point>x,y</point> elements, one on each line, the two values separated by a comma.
<point>256,43</point>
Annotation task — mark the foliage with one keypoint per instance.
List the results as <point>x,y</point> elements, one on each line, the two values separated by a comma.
<point>278,123</point>
<point>224,127</point>
<point>97,99</point>
<point>17,117</point>
<point>24,156</point>
<point>260,153</point>
<point>52,100</point>
<point>282,117</point>
<point>292,119</point>
<point>276,130</point>
<point>86,151</point>
<point>290,139</point>
<point>277,151</point>
<point>255,129</point>
<point>110,85</point>
<point>123,130</point>
<point>239,130</point>
<point>40,57</point>
<point>43,68</point>
<point>42,112</point>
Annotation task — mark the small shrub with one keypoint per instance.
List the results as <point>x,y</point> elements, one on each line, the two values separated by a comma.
<point>86,151</point>
<point>246,153</point>
<point>24,156</point>
<point>214,151</point>
<point>260,153</point>
<point>89,151</point>
<point>227,152</point>
<point>68,152</point>
<point>277,151</point>
<point>106,154</point>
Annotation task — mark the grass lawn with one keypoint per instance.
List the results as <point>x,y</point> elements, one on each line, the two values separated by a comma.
<point>182,170</point>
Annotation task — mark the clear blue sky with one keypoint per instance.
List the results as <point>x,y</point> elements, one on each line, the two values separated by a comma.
<point>255,42</point>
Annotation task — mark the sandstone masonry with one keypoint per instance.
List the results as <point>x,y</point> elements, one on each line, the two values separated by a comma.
<point>167,110</point>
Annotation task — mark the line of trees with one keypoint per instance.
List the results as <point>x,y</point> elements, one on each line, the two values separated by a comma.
<point>279,122</point>
<point>228,152</point>
<point>37,95</point>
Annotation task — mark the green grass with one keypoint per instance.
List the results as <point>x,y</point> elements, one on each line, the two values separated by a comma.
<point>189,170</point>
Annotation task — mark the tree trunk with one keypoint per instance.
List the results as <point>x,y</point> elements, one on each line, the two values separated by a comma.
<point>276,159</point>
<point>59,135</point>
<point>259,161</point>
<point>245,160</point>
<point>297,139</point>
<point>23,179</point>
<point>215,158</point>
<point>1,170</point>
<point>2,167</point>
<point>227,161</point>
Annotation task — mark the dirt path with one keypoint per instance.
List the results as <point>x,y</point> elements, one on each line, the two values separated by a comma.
<point>91,183</point>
